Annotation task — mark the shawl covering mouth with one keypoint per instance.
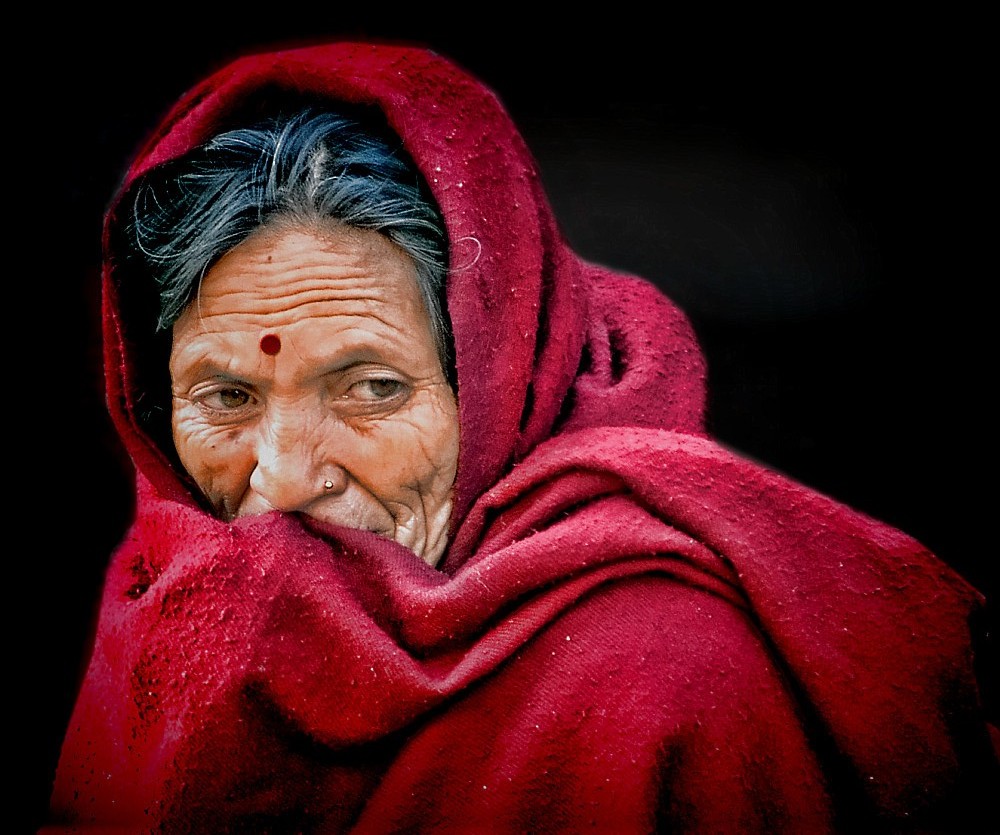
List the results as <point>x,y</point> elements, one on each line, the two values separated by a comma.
<point>633,629</point>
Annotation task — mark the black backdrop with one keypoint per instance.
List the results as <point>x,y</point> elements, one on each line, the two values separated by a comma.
<point>811,197</point>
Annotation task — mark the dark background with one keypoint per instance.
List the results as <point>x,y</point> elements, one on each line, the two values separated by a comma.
<point>810,193</point>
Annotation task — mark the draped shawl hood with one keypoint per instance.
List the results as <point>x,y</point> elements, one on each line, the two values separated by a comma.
<point>633,627</point>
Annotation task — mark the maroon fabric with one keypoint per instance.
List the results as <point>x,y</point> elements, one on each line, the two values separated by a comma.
<point>633,628</point>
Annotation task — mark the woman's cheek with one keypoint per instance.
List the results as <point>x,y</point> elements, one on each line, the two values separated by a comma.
<point>219,458</point>
<point>443,440</point>
<point>419,451</point>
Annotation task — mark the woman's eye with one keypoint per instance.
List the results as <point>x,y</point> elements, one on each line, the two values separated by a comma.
<point>227,399</point>
<point>380,388</point>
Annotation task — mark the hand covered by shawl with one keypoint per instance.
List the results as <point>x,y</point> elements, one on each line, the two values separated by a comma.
<point>633,628</point>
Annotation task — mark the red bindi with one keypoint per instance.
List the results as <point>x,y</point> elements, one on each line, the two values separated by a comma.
<point>270,344</point>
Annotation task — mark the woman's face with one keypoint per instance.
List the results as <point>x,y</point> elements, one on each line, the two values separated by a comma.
<point>305,377</point>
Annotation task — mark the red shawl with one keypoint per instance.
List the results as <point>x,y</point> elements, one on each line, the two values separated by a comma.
<point>633,628</point>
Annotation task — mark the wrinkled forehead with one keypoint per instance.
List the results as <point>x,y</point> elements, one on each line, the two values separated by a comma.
<point>314,288</point>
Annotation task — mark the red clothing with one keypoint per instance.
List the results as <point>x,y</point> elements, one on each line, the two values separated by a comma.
<point>633,629</point>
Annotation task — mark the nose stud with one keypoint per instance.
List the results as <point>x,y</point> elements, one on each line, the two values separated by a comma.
<point>328,485</point>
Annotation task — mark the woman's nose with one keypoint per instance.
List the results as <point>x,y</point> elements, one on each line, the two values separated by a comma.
<point>292,470</point>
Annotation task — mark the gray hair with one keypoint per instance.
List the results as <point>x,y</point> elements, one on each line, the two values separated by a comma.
<point>313,165</point>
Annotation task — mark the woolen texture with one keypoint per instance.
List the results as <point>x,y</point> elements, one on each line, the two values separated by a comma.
<point>633,629</point>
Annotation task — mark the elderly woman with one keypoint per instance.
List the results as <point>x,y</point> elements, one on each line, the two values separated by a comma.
<point>429,534</point>
<point>300,267</point>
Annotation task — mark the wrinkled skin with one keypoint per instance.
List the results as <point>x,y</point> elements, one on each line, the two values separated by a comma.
<point>352,421</point>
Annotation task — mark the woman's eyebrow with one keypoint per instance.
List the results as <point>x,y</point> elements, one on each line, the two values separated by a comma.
<point>354,357</point>
<point>206,361</point>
